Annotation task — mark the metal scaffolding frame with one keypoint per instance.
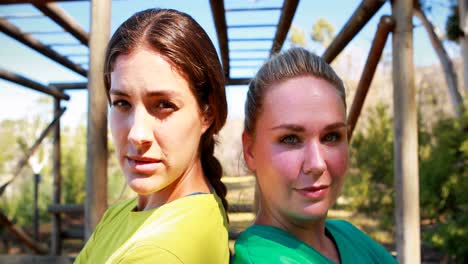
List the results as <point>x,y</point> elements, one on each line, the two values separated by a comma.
<point>403,83</point>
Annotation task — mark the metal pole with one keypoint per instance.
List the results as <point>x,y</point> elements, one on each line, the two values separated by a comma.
<point>406,136</point>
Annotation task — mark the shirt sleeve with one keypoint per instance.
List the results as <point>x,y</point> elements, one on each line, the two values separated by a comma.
<point>147,254</point>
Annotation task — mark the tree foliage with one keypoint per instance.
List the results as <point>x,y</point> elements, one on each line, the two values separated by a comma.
<point>444,181</point>
<point>322,32</point>
<point>452,25</point>
<point>443,156</point>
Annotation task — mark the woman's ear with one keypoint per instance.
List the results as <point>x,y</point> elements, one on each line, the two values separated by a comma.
<point>247,145</point>
<point>207,118</point>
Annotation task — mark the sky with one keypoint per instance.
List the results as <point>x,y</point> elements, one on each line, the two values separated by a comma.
<point>20,102</point>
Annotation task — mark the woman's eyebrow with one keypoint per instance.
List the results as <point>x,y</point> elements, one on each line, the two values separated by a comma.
<point>292,127</point>
<point>335,126</point>
<point>169,93</point>
<point>117,92</point>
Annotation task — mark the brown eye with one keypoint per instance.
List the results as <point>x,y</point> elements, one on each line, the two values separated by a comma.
<point>290,140</point>
<point>121,104</point>
<point>165,106</point>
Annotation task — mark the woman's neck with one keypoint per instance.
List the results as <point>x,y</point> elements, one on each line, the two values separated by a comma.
<point>192,180</point>
<point>311,232</point>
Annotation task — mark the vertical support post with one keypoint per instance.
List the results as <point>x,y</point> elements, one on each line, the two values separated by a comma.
<point>36,179</point>
<point>406,136</point>
<point>96,156</point>
<point>463,15</point>
<point>55,247</point>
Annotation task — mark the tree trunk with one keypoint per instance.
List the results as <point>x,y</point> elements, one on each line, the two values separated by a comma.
<point>449,71</point>
<point>463,15</point>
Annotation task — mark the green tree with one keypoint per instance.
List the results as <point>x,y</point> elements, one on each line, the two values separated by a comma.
<point>298,37</point>
<point>444,181</point>
<point>322,32</point>
<point>370,182</point>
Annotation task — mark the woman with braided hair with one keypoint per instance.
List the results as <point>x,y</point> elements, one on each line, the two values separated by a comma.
<point>166,91</point>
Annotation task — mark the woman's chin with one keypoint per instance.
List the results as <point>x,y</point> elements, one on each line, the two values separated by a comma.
<point>144,186</point>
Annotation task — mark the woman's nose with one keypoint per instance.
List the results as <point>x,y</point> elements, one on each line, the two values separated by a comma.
<point>140,134</point>
<point>314,160</point>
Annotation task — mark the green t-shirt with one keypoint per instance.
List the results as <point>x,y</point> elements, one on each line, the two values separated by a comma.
<point>268,244</point>
<point>191,229</point>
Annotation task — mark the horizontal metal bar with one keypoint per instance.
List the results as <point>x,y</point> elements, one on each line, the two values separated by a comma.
<point>63,44</point>
<point>250,50</point>
<point>253,26</point>
<point>28,40</point>
<point>250,39</point>
<point>250,9</point>
<point>244,66</point>
<point>24,16</point>
<point>248,59</point>
<point>62,18</point>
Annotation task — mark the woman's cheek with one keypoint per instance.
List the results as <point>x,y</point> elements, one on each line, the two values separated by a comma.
<point>339,158</point>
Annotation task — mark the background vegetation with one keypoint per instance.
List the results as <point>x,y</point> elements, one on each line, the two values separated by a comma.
<point>443,155</point>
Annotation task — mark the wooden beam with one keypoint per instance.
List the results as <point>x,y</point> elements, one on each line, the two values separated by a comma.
<point>22,236</point>
<point>356,22</point>
<point>18,79</point>
<point>219,17</point>
<point>55,241</point>
<point>287,15</point>
<point>408,237</point>
<point>385,26</point>
<point>238,81</point>
<point>96,153</point>
<point>445,61</point>
<point>76,209</point>
<point>54,12</point>
<point>28,40</point>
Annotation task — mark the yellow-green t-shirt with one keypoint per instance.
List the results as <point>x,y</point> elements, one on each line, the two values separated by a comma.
<point>191,229</point>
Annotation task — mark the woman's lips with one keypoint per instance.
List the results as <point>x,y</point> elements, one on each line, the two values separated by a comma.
<point>314,192</point>
<point>143,165</point>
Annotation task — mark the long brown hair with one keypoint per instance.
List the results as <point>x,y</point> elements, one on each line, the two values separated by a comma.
<point>181,40</point>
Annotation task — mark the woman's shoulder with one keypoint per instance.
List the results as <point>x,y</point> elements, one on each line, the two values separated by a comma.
<point>268,244</point>
<point>354,244</point>
<point>119,208</point>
